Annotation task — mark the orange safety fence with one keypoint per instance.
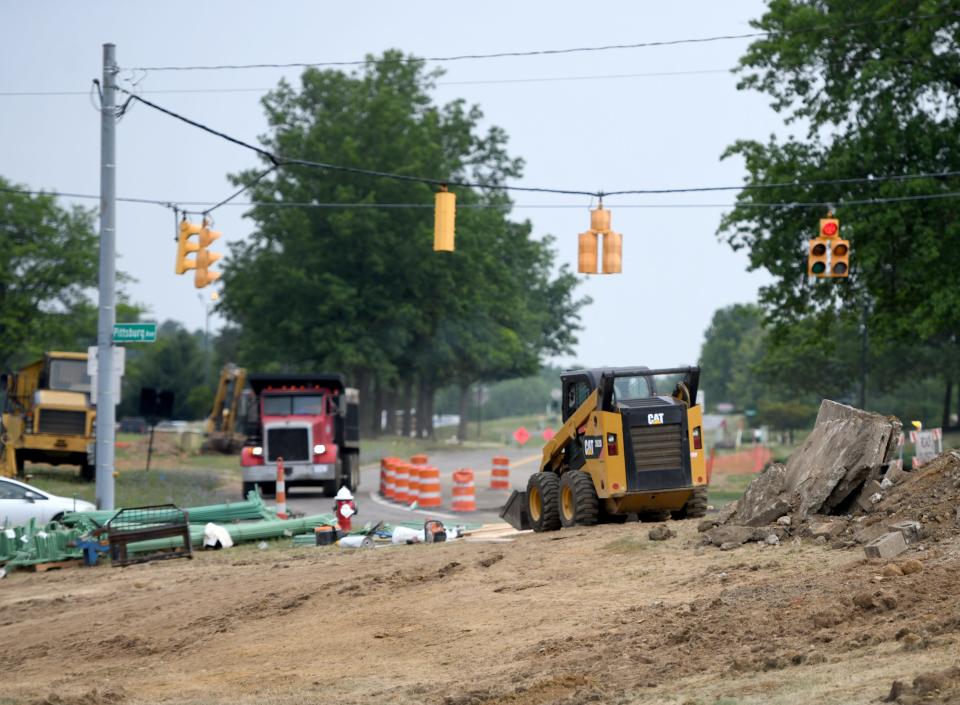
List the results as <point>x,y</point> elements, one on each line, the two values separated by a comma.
<point>750,460</point>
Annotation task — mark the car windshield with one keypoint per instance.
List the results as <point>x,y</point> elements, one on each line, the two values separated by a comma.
<point>69,376</point>
<point>285,405</point>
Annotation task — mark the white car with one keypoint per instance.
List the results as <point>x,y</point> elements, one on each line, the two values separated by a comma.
<point>20,502</point>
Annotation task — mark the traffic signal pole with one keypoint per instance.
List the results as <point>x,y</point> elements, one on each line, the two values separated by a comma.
<point>106,411</point>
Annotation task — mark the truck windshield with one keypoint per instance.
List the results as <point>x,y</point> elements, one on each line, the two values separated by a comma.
<point>285,405</point>
<point>69,376</point>
<point>631,388</point>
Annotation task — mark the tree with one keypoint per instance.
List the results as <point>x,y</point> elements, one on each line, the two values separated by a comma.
<point>729,352</point>
<point>175,362</point>
<point>359,289</point>
<point>877,86</point>
<point>48,261</point>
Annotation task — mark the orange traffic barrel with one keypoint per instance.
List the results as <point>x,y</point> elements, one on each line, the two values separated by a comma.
<point>429,494</point>
<point>500,475</point>
<point>464,493</point>
<point>401,482</point>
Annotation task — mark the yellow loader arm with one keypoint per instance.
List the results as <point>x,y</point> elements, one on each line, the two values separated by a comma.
<point>554,447</point>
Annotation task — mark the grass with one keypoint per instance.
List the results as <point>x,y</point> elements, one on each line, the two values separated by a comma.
<point>627,544</point>
<point>726,488</point>
<point>185,487</point>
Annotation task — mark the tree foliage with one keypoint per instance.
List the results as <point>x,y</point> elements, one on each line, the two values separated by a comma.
<point>359,289</point>
<point>873,88</point>
<point>48,262</point>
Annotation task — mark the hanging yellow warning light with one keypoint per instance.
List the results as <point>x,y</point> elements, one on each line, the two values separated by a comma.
<point>589,241</point>
<point>444,216</point>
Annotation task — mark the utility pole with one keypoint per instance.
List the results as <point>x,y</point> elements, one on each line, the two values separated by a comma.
<point>106,411</point>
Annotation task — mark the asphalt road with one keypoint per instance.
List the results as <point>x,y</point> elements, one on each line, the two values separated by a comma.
<point>372,507</point>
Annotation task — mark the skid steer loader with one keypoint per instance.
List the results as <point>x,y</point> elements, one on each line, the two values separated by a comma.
<point>631,444</point>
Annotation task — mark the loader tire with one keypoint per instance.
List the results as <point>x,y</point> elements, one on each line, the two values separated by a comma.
<point>695,507</point>
<point>543,501</point>
<point>579,504</point>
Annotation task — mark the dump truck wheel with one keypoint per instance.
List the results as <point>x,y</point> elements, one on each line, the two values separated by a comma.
<point>88,472</point>
<point>695,507</point>
<point>543,501</point>
<point>248,487</point>
<point>579,503</point>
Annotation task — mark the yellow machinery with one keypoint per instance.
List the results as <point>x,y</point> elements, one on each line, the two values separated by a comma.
<point>624,449</point>
<point>222,435</point>
<point>47,415</point>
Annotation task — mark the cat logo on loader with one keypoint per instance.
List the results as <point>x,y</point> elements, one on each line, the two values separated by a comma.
<point>625,449</point>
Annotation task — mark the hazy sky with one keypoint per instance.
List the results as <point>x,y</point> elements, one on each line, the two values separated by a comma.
<point>607,132</point>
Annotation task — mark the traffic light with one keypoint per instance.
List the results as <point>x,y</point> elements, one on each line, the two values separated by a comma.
<point>444,217</point>
<point>612,245</point>
<point>839,258</point>
<point>612,252</point>
<point>829,227</point>
<point>203,276</point>
<point>587,259</point>
<point>817,259</point>
<point>186,246</point>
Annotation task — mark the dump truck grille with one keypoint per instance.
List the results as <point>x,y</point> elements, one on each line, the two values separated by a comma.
<point>63,422</point>
<point>657,447</point>
<point>288,443</point>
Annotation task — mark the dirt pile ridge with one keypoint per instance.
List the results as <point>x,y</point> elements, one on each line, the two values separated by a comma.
<point>601,614</point>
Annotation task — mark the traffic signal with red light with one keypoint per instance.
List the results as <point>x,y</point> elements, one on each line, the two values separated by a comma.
<point>829,227</point>
<point>186,246</point>
<point>203,276</point>
<point>817,259</point>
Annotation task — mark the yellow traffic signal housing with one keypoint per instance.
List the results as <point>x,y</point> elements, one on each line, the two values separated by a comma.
<point>186,246</point>
<point>587,259</point>
<point>817,259</point>
<point>829,227</point>
<point>839,258</point>
<point>612,252</point>
<point>612,245</point>
<point>444,218</point>
<point>203,276</point>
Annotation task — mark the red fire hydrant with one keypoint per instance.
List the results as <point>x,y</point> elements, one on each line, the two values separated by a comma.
<point>345,508</point>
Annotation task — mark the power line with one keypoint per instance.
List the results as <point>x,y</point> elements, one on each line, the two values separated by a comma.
<point>210,205</point>
<point>549,52</point>
<point>278,160</point>
<point>478,82</point>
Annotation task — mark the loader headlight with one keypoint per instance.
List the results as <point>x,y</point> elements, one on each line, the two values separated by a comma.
<point>319,449</point>
<point>257,451</point>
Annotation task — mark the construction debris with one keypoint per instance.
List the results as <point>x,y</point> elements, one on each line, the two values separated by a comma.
<point>846,451</point>
<point>842,487</point>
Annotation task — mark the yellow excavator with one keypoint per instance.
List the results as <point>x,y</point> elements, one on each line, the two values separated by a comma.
<point>627,447</point>
<point>221,428</point>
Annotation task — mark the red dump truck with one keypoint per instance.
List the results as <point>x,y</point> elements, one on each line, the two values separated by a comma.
<point>309,420</point>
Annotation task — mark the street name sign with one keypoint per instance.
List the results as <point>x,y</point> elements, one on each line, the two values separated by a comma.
<point>134,332</point>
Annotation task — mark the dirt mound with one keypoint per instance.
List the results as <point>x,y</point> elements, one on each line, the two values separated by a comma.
<point>929,496</point>
<point>938,687</point>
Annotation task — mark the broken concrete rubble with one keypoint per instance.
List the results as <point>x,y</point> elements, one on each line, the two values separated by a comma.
<point>886,546</point>
<point>847,449</point>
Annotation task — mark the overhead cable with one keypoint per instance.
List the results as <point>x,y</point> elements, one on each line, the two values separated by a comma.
<point>278,160</point>
<point>822,28</point>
